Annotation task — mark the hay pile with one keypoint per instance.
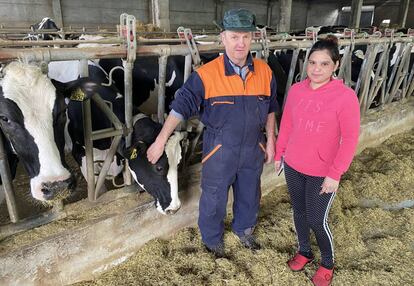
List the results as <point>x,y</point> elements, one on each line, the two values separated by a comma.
<point>374,244</point>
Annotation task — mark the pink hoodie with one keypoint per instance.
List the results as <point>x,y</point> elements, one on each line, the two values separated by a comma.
<point>319,129</point>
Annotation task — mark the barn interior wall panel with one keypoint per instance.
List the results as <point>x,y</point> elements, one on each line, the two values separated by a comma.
<point>23,13</point>
<point>390,11</point>
<point>193,14</point>
<point>103,13</point>
<point>299,15</point>
<point>323,13</point>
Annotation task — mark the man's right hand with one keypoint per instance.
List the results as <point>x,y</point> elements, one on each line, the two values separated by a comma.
<point>155,151</point>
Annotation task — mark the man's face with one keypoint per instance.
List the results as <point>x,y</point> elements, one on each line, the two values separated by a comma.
<point>237,45</point>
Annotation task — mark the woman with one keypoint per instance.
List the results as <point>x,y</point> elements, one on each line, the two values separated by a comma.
<point>317,141</point>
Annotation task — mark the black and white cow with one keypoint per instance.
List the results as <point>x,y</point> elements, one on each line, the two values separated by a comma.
<point>74,91</point>
<point>32,117</point>
<point>45,24</point>
<point>159,180</point>
<point>145,78</point>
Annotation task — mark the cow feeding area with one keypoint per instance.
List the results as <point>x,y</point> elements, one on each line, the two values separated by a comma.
<point>372,220</point>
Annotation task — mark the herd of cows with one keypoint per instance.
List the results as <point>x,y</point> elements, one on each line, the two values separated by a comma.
<point>39,116</point>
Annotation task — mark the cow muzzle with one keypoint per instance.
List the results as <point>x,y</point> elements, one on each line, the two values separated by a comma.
<point>57,189</point>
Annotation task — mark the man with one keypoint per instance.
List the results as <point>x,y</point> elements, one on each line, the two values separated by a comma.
<point>235,96</point>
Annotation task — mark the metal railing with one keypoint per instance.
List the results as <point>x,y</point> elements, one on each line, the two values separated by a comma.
<point>127,46</point>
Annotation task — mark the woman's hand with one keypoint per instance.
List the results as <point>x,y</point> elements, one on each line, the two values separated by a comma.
<point>277,166</point>
<point>329,185</point>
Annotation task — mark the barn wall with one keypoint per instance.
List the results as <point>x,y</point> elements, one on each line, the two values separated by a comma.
<point>189,13</point>
<point>323,13</point>
<point>23,13</point>
<point>389,10</point>
<point>103,13</point>
<point>193,14</point>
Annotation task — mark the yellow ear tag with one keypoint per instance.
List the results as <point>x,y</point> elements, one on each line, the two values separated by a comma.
<point>133,154</point>
<point>77,95</point>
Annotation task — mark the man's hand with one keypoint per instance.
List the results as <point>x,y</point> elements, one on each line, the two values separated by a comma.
<point>270,151</point>
<point>155,151</point>
<point>329,185</point>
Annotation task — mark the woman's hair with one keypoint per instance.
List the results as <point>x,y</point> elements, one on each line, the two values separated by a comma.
<point>330,43</point>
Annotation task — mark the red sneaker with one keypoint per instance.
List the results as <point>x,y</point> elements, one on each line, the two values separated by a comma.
<point>323,276</point>
<point>298,262</point>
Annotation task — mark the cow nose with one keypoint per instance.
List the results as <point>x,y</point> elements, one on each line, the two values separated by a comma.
<point>52,189</point>
<point>171,212</point>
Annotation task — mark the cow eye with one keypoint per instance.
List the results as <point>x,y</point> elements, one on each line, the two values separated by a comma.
<point>159,168</point>
<point>4,118</point>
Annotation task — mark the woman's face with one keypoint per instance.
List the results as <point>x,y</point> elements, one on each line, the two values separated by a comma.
<point>320,68</point>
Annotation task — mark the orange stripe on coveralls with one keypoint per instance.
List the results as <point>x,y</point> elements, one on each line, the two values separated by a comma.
<point>217,84</point>
<point>222,102</point>
<point>211,153</point>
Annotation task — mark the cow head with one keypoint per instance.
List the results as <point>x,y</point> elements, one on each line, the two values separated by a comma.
<point>32,117</point>
<point>160,180</point>
<point>45,24</point>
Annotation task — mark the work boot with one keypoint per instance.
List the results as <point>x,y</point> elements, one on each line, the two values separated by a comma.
<point>249,241</point>
<point>298,262</point>
<point>217,250</point>
<point>323,276</point>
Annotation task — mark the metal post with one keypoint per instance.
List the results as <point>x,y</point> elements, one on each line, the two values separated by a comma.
<point>400,75</point>
<point>305,64</point>
<point>379,78</point>
<point>291,73</point>
<point>7,184</point>
<point>87,131</point>
<point>356,9</point>
<point>402,12</point>
<point>363,95</point>
<point>187,67</point>
<point>162,63</point>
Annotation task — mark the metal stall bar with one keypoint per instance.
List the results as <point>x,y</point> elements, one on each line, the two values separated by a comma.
<point>11,43</point>
<point>162,63</point>
<point>400,74</point>
<point>7,184</point>
<point>291,73</point>
<point>187,67</point>
<point>384,72</point>
<point>65,54</point>
<point>363,95</point>
<point>380,76</point>
<point>305,64</point>
<point>87,134</point>
<point>411,83</point>
<point>392,76</point>
<point>406,74</point>
<point>128,30</point>
<point>117,132</point>
<point>344,61</point>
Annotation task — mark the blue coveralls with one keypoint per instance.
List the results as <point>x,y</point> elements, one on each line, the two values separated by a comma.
<point>234,112</point>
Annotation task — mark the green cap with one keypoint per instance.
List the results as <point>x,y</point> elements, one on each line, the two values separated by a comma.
<point>241,20</point>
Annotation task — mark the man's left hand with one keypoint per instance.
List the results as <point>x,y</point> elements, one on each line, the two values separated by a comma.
<point>329,185</point>
<point>270,151</point>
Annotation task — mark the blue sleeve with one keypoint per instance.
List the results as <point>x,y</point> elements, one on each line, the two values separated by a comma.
<point>189,97</point>
<point>273,107</point>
